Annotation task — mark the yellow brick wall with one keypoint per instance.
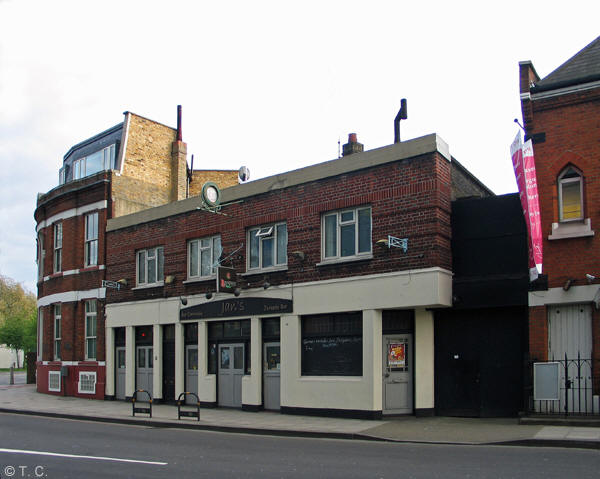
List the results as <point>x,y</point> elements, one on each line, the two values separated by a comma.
<point>222,178</point>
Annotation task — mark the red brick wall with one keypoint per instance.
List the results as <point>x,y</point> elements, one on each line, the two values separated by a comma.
<point>538,333</point>
<point>571,124</point>
<point>409,199</point>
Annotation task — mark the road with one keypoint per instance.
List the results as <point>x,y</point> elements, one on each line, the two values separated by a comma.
<point>20,378</point>
<point>59,448</point>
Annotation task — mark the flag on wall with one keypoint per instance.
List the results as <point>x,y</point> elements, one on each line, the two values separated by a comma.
<point>524,166</point>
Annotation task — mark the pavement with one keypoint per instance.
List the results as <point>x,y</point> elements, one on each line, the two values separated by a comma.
<point>24,399</point>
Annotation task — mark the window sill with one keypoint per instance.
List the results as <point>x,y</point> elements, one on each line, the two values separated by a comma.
<point>265,271</point>
<point>577,229</point>
<point>350,259</point>
<point>149,286</point>
<point>199,280</point>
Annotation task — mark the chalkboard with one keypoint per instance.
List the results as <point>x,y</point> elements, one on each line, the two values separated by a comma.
<point>332,356</point>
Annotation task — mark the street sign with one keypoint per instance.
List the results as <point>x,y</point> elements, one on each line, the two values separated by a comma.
<point>110,284</point>
<point>226,280</point>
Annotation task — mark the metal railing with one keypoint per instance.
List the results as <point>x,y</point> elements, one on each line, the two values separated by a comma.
<point>577,389</point>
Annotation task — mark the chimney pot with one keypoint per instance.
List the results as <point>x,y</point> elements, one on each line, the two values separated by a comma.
<point>353,146</point>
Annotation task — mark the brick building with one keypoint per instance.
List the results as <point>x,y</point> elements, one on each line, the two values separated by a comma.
<point>134,165</point>
<point>561,115</point>
<point>340,267</point>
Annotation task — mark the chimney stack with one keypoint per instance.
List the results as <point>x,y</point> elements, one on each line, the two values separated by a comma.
<point>353,146</point>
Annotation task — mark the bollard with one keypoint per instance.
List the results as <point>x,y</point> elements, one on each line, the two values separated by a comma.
<point>12,374</point>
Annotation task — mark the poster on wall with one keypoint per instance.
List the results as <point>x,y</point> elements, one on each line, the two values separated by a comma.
<point>397,355</point>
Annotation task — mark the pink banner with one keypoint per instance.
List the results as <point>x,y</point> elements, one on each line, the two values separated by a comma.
<point>524,166</point>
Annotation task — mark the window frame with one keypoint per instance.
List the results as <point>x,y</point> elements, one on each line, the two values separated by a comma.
<point>58,237</point>
<point>91,239</point>
<point>87,375</point>
<point>41,254</point>
<point>57,331</point>
<point>80,165</point>
<point>264,233</point>
<point>213,258</point>
<point>339,224</point>
<point>89,315</point>
<point>159,266</point>
<point>562,180</point>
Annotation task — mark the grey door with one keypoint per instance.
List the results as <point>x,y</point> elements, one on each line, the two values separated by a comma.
<point>397,374</point>
<point>271,372</point>
<point>120,373</point>
<point>231,371</point>
<point>191,372</point>
<point>144,368</point>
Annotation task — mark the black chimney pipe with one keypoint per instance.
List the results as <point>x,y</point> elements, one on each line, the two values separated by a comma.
<point>402,115</point>
<point>179,133</point>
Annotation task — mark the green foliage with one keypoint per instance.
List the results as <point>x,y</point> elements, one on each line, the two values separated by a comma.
<point>18,316</point>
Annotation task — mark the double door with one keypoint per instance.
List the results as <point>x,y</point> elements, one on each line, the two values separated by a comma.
<point>144,368</point>
<point>231,372</point>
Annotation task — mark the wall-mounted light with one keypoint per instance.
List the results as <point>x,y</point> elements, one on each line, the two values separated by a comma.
<point>298,255</point>
<point>169,279</point>
<point>209,295</point>
<point>183,300</point>
<point>236,292</point>
<point>568,283</point>
<point>122,282</point>
<point>266,285</point>
<point>590,278</point>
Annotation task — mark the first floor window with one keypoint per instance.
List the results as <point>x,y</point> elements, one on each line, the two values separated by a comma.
<point>150,266</point>
<point>40,253</point>
<point>267,246</point>
<point>57,247</point>
<point>90,329</point>
<point>332,344</point>
<point>203,256</point>
<point>570,195</point>
<point>91,239</point>
<point>57,330</point>
<point>346,233</point>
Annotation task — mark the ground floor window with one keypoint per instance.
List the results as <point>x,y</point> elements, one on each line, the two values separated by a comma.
<point>87,382</point>
<point>332,344</point>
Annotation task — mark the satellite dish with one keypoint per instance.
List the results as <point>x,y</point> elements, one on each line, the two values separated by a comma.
<point>244,174</point>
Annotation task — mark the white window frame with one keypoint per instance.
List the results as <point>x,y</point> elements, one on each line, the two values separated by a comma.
<point>52,376</point>
<point>41,253</point>
<point>339,224</point>
<point>261,234</point>
<point>91,313</point>
<point>91,239</point>
<point>58,237</point>
<point>562,181</point>
<point>144,256</point>
<point>108,162</point>
<point>84,378</point>
<point>57,331</point>
<point>40,334</point>
<point>214,242</point>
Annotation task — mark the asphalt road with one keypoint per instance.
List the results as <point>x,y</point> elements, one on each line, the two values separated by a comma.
<point>58,448</point>
<point>20,378</point>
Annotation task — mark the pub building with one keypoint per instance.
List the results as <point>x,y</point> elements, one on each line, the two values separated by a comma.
<point>309,292</point>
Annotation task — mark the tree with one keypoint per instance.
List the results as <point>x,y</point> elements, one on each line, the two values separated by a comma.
<point>18,317</point>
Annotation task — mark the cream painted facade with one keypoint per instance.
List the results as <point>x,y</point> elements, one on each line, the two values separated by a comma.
<point>417,290</point>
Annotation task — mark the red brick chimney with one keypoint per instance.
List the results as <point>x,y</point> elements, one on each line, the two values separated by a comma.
<point>353,146</point>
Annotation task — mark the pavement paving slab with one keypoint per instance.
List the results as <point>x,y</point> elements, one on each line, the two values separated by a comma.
<point>25,399</point>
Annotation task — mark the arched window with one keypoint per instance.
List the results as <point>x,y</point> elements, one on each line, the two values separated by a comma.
<point>570,195</point>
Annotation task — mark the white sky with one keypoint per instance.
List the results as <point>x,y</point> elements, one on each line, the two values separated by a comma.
<point>267,84</point>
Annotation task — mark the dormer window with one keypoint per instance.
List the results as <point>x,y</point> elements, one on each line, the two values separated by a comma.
<point>570,195</point>
<point>98,161</point>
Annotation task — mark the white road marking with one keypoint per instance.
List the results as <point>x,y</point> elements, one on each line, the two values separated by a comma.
<point>75,456</point>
